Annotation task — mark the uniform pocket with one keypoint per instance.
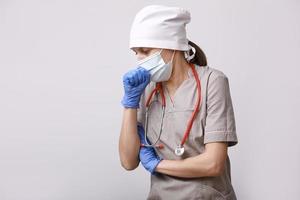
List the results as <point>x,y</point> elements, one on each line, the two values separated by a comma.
<point>206,192</point>
<point>180,118</point>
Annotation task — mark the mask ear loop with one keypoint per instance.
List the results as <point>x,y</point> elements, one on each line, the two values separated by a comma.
<point>189,57</point>
<point>173,56</point>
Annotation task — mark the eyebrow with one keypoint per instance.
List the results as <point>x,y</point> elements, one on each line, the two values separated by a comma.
<point>141,49</point>
<point>136,48</point>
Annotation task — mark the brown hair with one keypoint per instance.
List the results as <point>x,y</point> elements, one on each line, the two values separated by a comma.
<point>200,58</point>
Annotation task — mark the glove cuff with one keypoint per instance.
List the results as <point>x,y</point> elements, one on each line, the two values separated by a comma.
<point>158,160</point>
<point>126,103</point>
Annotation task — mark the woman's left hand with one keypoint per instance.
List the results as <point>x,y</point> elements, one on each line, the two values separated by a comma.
<point>147,155</point>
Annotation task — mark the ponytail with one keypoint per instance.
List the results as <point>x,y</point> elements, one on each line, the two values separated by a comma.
<point>200,58</point>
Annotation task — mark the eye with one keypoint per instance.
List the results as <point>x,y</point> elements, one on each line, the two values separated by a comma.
<point>145,51</point>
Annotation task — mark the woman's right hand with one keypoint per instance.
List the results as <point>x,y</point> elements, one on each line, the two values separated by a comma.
<point>134,82</point>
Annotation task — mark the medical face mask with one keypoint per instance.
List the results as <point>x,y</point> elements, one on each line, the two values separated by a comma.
<point>159,70</point>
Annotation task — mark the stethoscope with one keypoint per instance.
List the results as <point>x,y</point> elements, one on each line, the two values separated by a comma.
<point>179,150</point>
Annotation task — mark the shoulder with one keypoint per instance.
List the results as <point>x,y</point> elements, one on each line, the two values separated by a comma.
<point>214,79</point>
<point>214,73</point>
<point>211,74</point>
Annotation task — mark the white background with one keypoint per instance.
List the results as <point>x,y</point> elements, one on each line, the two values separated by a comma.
<point>61,64</point>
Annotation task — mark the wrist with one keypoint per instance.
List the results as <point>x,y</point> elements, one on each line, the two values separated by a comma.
<point>156,169</point>
<point>130,102</point>
<point>159,166</point>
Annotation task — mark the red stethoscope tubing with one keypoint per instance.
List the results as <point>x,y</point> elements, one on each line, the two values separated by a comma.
<point>196,110</point>
<point>159,89</point>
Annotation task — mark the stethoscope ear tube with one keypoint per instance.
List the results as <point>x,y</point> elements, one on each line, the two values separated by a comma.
<point>146,127</point>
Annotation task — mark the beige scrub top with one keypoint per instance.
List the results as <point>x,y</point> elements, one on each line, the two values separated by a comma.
<point>215,122</point>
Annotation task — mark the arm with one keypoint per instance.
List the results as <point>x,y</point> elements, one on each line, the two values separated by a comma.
<point>134,83</point>
<point>129,143</point>
<point>210,163</point>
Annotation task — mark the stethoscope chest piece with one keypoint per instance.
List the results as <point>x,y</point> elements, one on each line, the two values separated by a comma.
<point>179,150</point>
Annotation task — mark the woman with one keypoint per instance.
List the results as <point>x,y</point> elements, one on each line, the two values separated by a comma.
<point>188,157</point>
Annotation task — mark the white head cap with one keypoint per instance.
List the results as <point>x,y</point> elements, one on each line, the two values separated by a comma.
<point>160,26</point>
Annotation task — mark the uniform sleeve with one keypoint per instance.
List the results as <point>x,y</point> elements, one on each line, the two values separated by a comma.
<point>220,121</point>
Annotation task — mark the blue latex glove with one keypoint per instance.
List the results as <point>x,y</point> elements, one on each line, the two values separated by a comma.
<point>134,81</point>
<point>148,156</point>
